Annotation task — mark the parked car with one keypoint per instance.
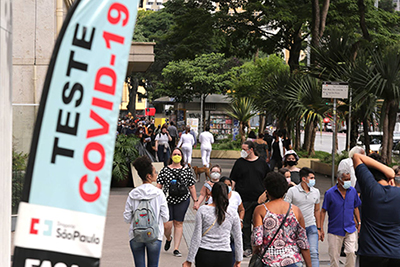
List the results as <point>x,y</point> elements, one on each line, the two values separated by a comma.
<point>375,143</point>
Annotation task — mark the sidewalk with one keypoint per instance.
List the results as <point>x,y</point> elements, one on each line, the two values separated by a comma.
<point>116,250</point>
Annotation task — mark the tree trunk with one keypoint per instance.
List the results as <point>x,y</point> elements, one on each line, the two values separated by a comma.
<point>354,132</point>
<point>311,151</point>
<point>366,136</point>
<point>297,142</point>
<point>133,85</point>
<point>308,137</point>
<point>241,132</point>
<point>392,122</point>
<point>318,22</point>
<point>261,129</point>
<point>294,53</point>
<point>363,26</point>
<point>385,129</point>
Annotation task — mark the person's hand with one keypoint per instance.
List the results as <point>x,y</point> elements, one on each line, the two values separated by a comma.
<point>268,160</point>
<point>321,235</point>
<point>241,224</point>
<point>196,205</point>
<point>186,264</point>
<point>358,226</point>
<point>237,264</point>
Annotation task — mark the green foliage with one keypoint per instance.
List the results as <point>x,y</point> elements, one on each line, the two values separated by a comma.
<point>19,161</point>
<point>125,152</point>
<point>318,154</point>
<point>206,74</point>
<point>228,144</point>
<point>338,158</point>
<point>242,109</point>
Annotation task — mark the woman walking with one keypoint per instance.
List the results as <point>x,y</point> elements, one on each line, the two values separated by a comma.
<point>162,145</point>
<point>279,233</point>
<point>206,139</point>
<point>205,191</point>
<point>176,181</point>
<point>290,161</point>
<point>210,245</point>
<point>158,204</point>
<point>186,143</point>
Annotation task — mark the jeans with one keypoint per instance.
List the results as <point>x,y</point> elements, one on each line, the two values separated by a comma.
<point>153,253</point>
<point>312,235</point>
<point>163,156</point>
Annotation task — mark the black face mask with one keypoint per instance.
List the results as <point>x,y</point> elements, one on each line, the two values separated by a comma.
<point>291,163</point>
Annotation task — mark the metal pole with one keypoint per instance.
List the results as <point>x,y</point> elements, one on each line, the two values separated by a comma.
<point>201,114</point>
<point>349,126</point>
<point>333,141</point>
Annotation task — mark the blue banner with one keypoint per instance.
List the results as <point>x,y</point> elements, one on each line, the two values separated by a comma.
<point>62,216</point>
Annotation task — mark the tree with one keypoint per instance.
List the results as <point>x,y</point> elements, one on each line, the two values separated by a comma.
<point>242,109</point>
<point>204,75</point>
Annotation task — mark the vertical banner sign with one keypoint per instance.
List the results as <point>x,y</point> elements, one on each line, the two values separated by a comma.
<point>62,217</point>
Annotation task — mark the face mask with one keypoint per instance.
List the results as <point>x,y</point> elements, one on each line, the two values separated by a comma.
<point>291,163</point>
<point>176,158</point>
<point>244,154</point>
<point>288,180</point>
<point>215,175</point>
<point>229,189</point>
<point>346,184</point>
<point>311,183</point>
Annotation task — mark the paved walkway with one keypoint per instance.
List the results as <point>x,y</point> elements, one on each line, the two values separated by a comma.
<point>116,251</point>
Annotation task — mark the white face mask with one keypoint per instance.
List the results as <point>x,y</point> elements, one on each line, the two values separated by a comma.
<point>215,175</point>
<point>244,154</point>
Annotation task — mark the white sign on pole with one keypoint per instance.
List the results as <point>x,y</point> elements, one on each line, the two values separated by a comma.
<point>335,90</point>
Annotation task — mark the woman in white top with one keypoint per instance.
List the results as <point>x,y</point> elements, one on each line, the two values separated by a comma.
<point>210,245</point>
<point>158,203</point>
<point>206,139</point>
<point>162,145</point>
<point>186,144</point>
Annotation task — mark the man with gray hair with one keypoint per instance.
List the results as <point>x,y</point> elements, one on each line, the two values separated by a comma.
<point>347,164</point>
<point>341,202</point>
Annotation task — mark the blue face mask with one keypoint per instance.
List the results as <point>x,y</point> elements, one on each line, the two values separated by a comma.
<point>346,184</point>
<point>311,183</point>
<point>229,189</point>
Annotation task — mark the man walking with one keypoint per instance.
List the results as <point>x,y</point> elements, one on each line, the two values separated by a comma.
<point>380,230</point>
<point>248,174</point>
<point>173,132</point>
<point>307,198</point>
<point>341,202</point>
<point>206,140</point>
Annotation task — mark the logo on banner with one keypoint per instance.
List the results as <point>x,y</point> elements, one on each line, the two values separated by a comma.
<point>45,227</point>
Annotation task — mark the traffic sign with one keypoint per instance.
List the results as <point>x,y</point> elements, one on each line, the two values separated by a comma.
<point>335,90</point>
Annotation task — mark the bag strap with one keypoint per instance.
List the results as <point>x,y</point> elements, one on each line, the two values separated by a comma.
<point>209,228</point>
<point>276,233</point>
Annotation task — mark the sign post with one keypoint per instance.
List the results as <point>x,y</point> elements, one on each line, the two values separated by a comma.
<point>334,90</point>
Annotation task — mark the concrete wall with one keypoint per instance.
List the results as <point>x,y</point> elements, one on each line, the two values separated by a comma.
<point>5,130</point>
<point>34,34</point>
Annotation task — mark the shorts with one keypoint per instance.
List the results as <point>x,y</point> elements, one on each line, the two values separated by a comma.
<point>177,211</point>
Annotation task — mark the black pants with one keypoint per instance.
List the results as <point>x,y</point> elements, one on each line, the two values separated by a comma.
<point>367,261</point>
<point>247,221</point>
<point>172,143</point>
<point>212,258</point>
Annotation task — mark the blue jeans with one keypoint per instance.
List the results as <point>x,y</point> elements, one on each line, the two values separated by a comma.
<point>312,235</point>
<point>153,253</point>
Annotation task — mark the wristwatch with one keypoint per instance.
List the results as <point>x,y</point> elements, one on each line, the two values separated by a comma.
<point>196,200</point>
<point>318,228</point>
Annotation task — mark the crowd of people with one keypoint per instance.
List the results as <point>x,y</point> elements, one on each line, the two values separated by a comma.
<point>276,214</point>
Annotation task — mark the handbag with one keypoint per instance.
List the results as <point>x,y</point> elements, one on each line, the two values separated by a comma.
<point>256,260</point>
<point>178,188</point>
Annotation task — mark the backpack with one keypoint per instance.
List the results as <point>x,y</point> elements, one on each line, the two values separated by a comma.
<point>145,225</point>
<point>177,188</point>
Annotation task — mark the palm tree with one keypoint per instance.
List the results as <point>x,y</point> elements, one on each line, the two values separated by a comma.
<point>382,78</point>
<point>242,109</point>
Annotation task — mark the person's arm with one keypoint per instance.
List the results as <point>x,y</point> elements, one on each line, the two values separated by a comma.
<point>164,211</point>
<point>357,219</point>
<point>192,191</point>
<point>169,137</point>
<point>156,146</point>
<point>317,215</point>
<point>323,213</point>
<point>180,142</point>
<point>196,239</point>
<point>371,163</point>
<point>203,192</point>
<point>241,211</point>
<point>128,213</point>
<point>262,198</point>
<point>289,196</point>
<point>304,252</point>
<point>237,238</point>
<point>258,228</point>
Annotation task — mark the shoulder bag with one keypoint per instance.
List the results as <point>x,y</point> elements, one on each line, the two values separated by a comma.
<point>256,260</point>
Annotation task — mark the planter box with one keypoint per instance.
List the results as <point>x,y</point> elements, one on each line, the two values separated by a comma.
<point>322,168</point>
<point>306,162</point>
<point>218,154</point>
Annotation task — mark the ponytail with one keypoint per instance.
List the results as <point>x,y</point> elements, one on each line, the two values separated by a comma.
<point>220,198</point>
